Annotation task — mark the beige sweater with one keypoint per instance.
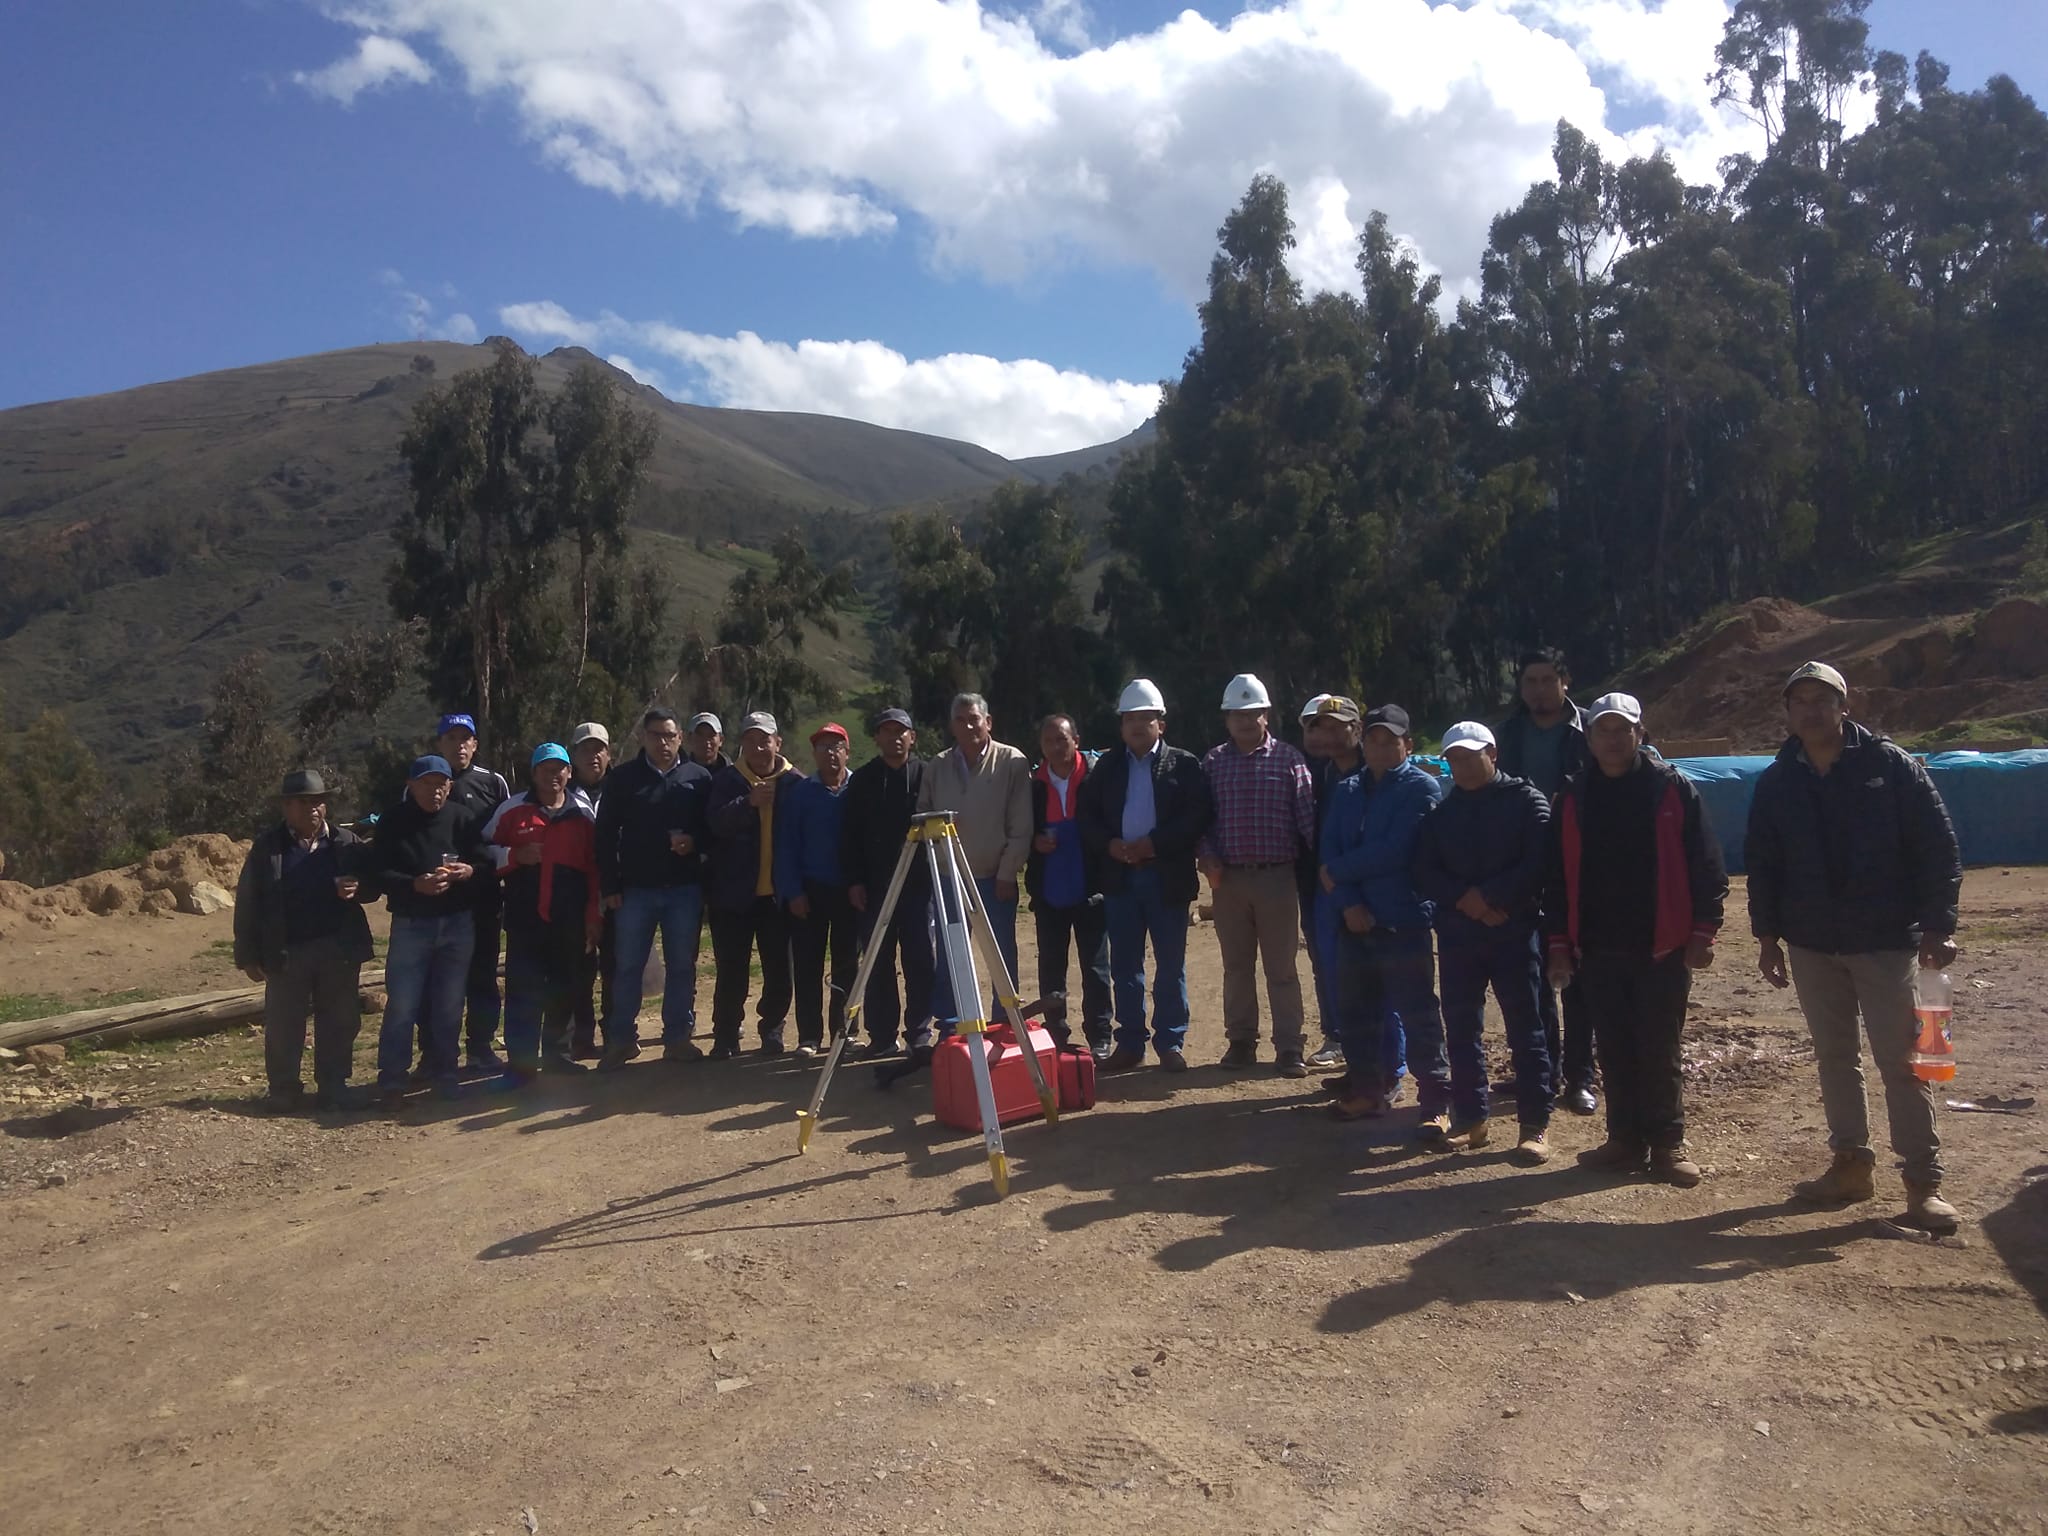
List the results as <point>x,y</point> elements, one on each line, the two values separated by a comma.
<point>993,802</point>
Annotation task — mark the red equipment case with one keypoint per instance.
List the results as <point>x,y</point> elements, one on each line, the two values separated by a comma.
<point>1016,1099</point>
<point>1074,1088</point>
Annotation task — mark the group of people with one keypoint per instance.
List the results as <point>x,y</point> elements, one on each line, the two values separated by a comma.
<point>1564,866</point>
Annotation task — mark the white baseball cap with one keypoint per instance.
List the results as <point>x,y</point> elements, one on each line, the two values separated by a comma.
<point>1626,705</point>
<point>707,718</point>
<point>1314,706</point>
<point>589,730</point>
<point>1469,735</point>
<point>1818,672</point>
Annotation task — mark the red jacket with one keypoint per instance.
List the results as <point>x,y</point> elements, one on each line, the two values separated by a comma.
<point>1692,885</point>
<point>568,845</point>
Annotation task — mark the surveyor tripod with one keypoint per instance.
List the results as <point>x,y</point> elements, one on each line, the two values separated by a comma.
<point>963,921</point>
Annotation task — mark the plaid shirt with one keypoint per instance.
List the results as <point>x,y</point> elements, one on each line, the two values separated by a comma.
<point>1265,804</point>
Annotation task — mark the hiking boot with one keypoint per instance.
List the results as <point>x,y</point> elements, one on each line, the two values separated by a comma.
<point>391,1100</point>
<point>1240,1054</point>
<point>1171,1060</point>
<point>1123,1059</point>
<point>682,1051</point>
<point>1331,1055</point>
<point>1614,1153</point>
<point>1290,1064</point>
<point>1471,1136</point>
<point>1926,1209</point>
<point>1532,1149</point>
<point>616,1056</point>
<point>1850,1179</point>
<point>1363,1106</point>
<point>1433,1127</point>
<point>1674,1165</point>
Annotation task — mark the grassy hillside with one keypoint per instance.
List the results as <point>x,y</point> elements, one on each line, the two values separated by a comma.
<point>149,537</point>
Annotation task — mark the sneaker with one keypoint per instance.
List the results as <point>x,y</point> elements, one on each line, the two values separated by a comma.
<point>1124,1059</point>
<point>1850,1179</point>
<point>807,1049</point>
<point>1330,1055</point>
<point>482,1058</point>
<point>682,1051</point>
<point>1674,1165</point>
<point>1926,1209</point>
<point>1171,1060</point>
<point>1471,1136</point>
<point>1289,1064</point>
<point>1532,1149</point>
<point>1241,1053</point>
<point>1433,1127</point>
<point>722,1050</point>
<point>616,1056</point>
<point>1615,1154</point>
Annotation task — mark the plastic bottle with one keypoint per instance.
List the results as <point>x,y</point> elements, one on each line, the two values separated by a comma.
<point>1933,1057</point>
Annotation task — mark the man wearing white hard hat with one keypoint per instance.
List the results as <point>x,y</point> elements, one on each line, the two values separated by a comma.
<point>1854,870</point>
<point>1479,859</point>
<point>1265,824</point>
<point>1143,811</point>
<point>1632,903</point>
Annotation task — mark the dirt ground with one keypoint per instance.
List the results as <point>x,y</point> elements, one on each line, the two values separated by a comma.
<point>625,1303</point>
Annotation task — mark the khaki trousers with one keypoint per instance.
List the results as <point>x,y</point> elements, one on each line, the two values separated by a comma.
<point>1258,924</point>
<point>1833,990</point>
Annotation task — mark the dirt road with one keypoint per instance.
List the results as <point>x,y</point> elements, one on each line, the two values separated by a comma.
<point>624,1304</point>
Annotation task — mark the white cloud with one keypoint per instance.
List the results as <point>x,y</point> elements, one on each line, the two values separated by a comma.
<point>377,61</point>
<point>831,118</point>
<point>420,316</point>
<point>1017,407</point>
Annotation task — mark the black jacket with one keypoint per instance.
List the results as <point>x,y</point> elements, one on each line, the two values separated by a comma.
<point>1511,738</point>
<point>875,821</point>
<point>735,868</point>
<point>260,930</point>
<point>639,808</point>
<point>1861,859</point>
<point>410,842</point>
<point>1182,807</point>
<point>1308,869</point>
<point>1497,839</point>
<point>1664,884</point>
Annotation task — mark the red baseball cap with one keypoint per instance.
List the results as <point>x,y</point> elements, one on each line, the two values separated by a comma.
<point>831,728</point>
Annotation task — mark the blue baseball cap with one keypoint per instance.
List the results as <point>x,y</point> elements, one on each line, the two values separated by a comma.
<point>455,722</point>
<point>423,767</point>
<point>549,752</point>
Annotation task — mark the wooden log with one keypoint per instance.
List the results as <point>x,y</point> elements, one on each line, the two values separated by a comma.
<point>197,1013</point>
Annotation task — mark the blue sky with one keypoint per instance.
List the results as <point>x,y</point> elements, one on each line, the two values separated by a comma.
<point>986,223</point>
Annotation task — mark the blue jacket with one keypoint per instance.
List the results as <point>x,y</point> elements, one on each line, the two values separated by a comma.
<point>810,823</point>
<point>1368,844</point>
<point>1497,839</point>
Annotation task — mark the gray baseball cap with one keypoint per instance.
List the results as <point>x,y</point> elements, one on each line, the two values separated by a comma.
<point>760,720</point>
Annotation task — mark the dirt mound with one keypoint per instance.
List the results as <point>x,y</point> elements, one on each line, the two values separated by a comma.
<point>153,887</point>
<point>1909,674</point>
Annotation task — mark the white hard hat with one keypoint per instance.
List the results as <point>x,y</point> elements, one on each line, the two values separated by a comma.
<point>1468,734</point>
<point>1140,693</point>
<point>1245,691</point>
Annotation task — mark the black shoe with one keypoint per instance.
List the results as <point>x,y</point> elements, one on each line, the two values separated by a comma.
<point>1579,1101</point>
<point>421,1075</point>
<point>875,1050</point>
<point>722,1050</point>
<point>288,1100</point>
<point>1338,1087</point>
<point>482,1058</point>
<point>1290,1064</point>
<point>448,1090</point>
<point>562,1066</point>
<point>1171,1060</point>
<point>1242,1053</point>
<point>342,1099</point>
<point>585,1050</point>
<point>771,1045</point>
<point>391,1100</point>
<point>616,1056</point>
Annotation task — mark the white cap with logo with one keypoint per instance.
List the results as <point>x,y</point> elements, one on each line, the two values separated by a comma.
<point>1818,672</point>
<point>1626,705</point>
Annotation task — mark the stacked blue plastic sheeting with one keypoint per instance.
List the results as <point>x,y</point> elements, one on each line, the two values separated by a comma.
<point>1998,801</point>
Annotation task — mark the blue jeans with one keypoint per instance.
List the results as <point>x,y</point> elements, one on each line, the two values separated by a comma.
<point>426,972</point>
<point>1386,987</point>
<point>1507,959</point>
<point>1326,945</point>
<point>678,912</point>
<point>1002,916</point>
<point>1136,913</point>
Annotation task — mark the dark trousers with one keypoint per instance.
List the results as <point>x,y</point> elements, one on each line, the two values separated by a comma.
<point>1570,1039</point>
<point>1087,927</point>
<point>1637,1007</point>
<point>480,1023</point>
<point>831,927</point>
<point>735,935</point>
<point>319,978</point>
<point>1507,960</point>
<point>907,940</point>
<point>543,967</point>
<point>1385,981</point>
<point>594,984</point>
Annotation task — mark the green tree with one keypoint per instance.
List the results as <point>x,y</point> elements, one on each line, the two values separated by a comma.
<point>54,816</point>
<point>601,449</point>
<point>944,628</point>
<point>230,783</point>
<point>755,657</point>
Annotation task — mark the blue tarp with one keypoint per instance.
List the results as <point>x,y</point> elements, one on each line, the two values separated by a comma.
<point>1998,801</point>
